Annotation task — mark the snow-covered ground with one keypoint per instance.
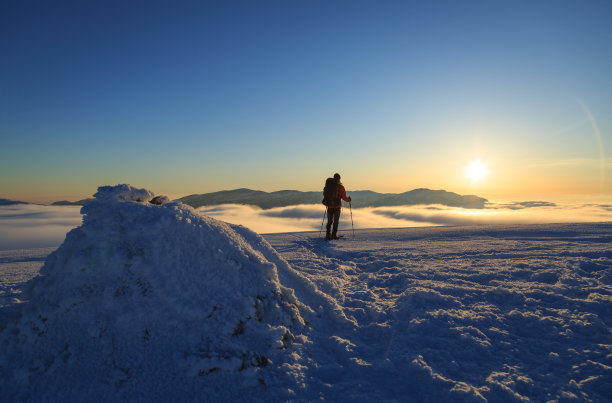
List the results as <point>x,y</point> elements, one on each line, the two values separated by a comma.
<point>148,302</point>
<point>497,313</point>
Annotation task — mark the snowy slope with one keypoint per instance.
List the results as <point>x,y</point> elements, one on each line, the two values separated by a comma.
<point>514,313</point>
<point>16,267</point>
<point>142,298</point>
<point>125,309</point>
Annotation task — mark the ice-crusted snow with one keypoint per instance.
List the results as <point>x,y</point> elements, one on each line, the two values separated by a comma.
<point>513,313</point>
<point>143,298</point>
<point>146,302</point>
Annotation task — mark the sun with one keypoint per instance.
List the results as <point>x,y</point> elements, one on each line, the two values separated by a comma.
<point>476,171</point>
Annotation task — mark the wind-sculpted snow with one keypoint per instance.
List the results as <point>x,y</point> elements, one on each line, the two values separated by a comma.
<point>495,314</point>
<point>144,299</point>
<point>468,314</point>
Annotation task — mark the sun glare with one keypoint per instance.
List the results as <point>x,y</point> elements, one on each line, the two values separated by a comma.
<point>476,171</point>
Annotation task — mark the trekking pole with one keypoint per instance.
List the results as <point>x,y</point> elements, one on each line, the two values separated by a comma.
<point>324,214</point>
<point>352,226</point>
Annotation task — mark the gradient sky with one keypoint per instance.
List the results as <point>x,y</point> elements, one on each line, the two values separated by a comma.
<point>187,97</point>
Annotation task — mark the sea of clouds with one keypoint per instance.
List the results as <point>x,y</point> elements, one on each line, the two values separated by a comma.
<point>25,226</point>
<point>310,217</point>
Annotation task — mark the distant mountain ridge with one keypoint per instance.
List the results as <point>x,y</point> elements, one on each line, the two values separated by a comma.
<point>69,203</point>
<point>361,198</point>
<point>7,202</point>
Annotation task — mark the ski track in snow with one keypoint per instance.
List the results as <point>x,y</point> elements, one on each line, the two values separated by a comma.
<point>486,313</point>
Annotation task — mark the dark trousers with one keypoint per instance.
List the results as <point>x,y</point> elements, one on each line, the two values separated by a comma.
<point>333,217</point>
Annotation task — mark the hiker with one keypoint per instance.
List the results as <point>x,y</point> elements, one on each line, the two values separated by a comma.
<point>333,192</point>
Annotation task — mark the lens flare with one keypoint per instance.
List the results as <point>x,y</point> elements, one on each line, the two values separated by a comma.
<point>602,158</point>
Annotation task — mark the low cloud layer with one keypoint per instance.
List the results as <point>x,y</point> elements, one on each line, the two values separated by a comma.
<point>310,217</point>
<point>33,226</point>
<point>25,226</point>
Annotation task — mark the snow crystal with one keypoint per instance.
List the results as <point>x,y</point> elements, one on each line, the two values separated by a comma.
<point>122,193</point>
<point>143,297</point>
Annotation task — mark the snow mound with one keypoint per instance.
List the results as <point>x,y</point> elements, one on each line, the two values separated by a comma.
<point>150,297</point>
<point>122,193</point>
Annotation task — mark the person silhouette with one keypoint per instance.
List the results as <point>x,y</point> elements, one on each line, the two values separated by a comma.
<point>334,193</point>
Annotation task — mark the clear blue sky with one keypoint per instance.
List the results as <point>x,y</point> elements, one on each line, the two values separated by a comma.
<point>194,96</point>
